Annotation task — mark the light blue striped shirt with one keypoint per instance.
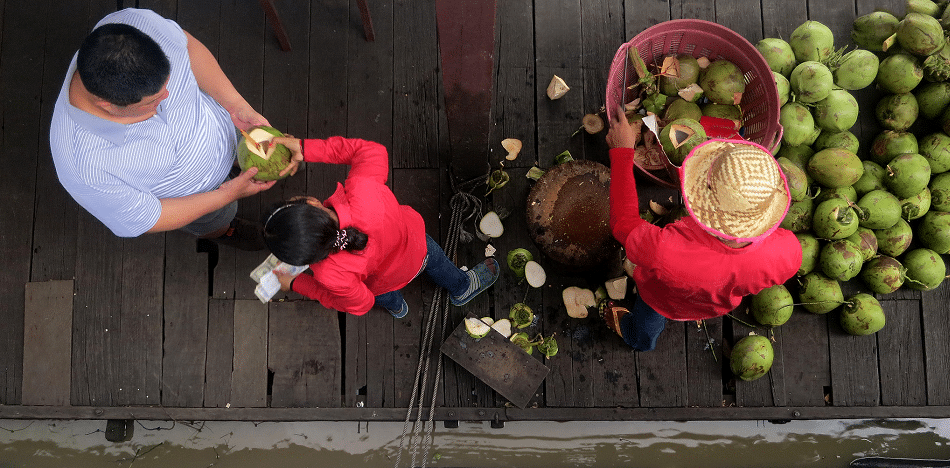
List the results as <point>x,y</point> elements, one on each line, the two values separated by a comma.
<point>119,172</point>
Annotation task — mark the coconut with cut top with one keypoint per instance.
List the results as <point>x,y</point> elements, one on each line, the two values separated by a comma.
<point>253,151</point>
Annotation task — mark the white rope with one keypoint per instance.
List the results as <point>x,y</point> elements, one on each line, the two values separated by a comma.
<point>421,436</point>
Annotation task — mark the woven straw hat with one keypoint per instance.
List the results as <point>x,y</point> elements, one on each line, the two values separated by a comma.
<point>734,189</point>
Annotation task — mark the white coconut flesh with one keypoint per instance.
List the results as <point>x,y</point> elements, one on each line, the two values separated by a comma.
<point>476,328</point>
<point>491,226</point>
<point>534,273</point>
<point>503,326</point>
<point>259,135</point>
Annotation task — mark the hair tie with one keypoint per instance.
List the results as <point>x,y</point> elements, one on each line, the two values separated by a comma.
<point>340,242</point>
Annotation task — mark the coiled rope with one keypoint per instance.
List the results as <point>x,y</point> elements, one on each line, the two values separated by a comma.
<point>465,206</point>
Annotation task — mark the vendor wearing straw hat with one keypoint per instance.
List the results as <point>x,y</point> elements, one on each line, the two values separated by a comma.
<point>702,265</point>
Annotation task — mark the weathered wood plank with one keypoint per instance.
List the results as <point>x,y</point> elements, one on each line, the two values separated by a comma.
<point>304,355</point>
<point>47,344</point>
<point>936,342</point>
<point>20,136</point>
<point>514,96</point>
<point>662,380</point>
<point>370,79</point>
<point>249,366</point>
<point>805,358</point>
<point>220,356</point>
<point>901,355</point>
<point>466,32</point>
<point>781,17</point>
<point>186,322</point>
<point>704,363</point>
<point>601,35</point>
<point>416,84</point>
<point>138,354</point>
<point>855,380</point>
<point>639,15</point>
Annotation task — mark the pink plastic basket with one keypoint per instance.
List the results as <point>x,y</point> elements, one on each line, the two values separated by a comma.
<point>760,102</point>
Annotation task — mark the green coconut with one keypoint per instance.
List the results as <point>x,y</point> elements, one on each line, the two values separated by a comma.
<point>723,82</point>
<point>834,219</point>
<point>869,31</point>
<point>798,155</point>
<point>798,219</point>
<point>899,73</point>
<point>797,180</point>
<point>772,306</point>
<point>933,231</point>
<point>872,178</point>
<point>249,155</point>
<point>835,167</point>
<point>925,269</point>
<point>883,274</point>
<point>920,34</point>
<point>907,174</point>
<point>837,112</point>
<point>879,209</point>
<point>783,87</point>
<point>777,54</point>
<point>818,293</point>
<point>932,98</point>
<point>840,260</point>
<point>812,41</point>
<point>889,143</point>
<point>682,109</point>
<point>865,240</point>
<point>724,111</point>
<point>520,315</point>
<point>797,123</point>
<point>862,315</point>
<point>916,206</point>
<point>751,357</point>
<point>935,148</point>
<point>940,192</point>
<point>847,194</point>
<point>856,69</point>
<point>810,250</point>
<point>844,139</point>
<point>679,137</point>
<point>517,259</point>
<point>895,240</point>
<point>811,81</point>
<point>685,74</point>
<point>897,111</point>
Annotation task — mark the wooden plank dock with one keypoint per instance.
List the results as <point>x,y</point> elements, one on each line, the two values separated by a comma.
<point>163,327</point>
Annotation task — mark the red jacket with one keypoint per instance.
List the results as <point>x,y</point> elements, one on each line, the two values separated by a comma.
<point>682,271</point>
<point>348,281</point>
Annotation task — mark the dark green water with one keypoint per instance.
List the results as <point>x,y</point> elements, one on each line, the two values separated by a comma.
<point>40,444</point>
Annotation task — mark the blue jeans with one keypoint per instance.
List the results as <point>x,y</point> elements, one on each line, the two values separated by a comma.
<point>439,269</point>
<point>642,326</point>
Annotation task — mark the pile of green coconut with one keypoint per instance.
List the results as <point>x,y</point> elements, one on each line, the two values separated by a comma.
<point>880,214</point>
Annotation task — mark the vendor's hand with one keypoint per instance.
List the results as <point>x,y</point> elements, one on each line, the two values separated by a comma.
<point>293,144</point>
<point>245,117</point>
<point>284,279</point>
<point>622,134</point>
<point>244,185</point>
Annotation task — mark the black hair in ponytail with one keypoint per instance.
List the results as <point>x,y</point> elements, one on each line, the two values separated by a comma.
<point>298,233</point>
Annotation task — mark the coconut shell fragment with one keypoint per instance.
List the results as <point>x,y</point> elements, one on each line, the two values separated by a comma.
<point>568,214</point>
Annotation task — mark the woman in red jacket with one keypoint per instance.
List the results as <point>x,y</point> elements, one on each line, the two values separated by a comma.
<point>702,265</point>
<point>361,244</point>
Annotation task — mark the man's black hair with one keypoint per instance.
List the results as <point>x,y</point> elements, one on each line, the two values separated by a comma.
<point>121,64</point>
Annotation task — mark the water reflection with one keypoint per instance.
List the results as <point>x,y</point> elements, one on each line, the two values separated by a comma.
<point>38,444</point>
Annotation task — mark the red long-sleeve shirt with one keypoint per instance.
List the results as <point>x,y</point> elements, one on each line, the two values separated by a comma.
<point>682,271</point>
<point>349,281</point>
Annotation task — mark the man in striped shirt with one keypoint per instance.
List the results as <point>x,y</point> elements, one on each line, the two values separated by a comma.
<point>143,133</point>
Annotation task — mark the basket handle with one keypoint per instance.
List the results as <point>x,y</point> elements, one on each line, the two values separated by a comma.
<point>776,140</point>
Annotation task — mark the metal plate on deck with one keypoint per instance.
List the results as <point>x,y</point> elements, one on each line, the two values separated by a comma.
<point>497,362</point>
